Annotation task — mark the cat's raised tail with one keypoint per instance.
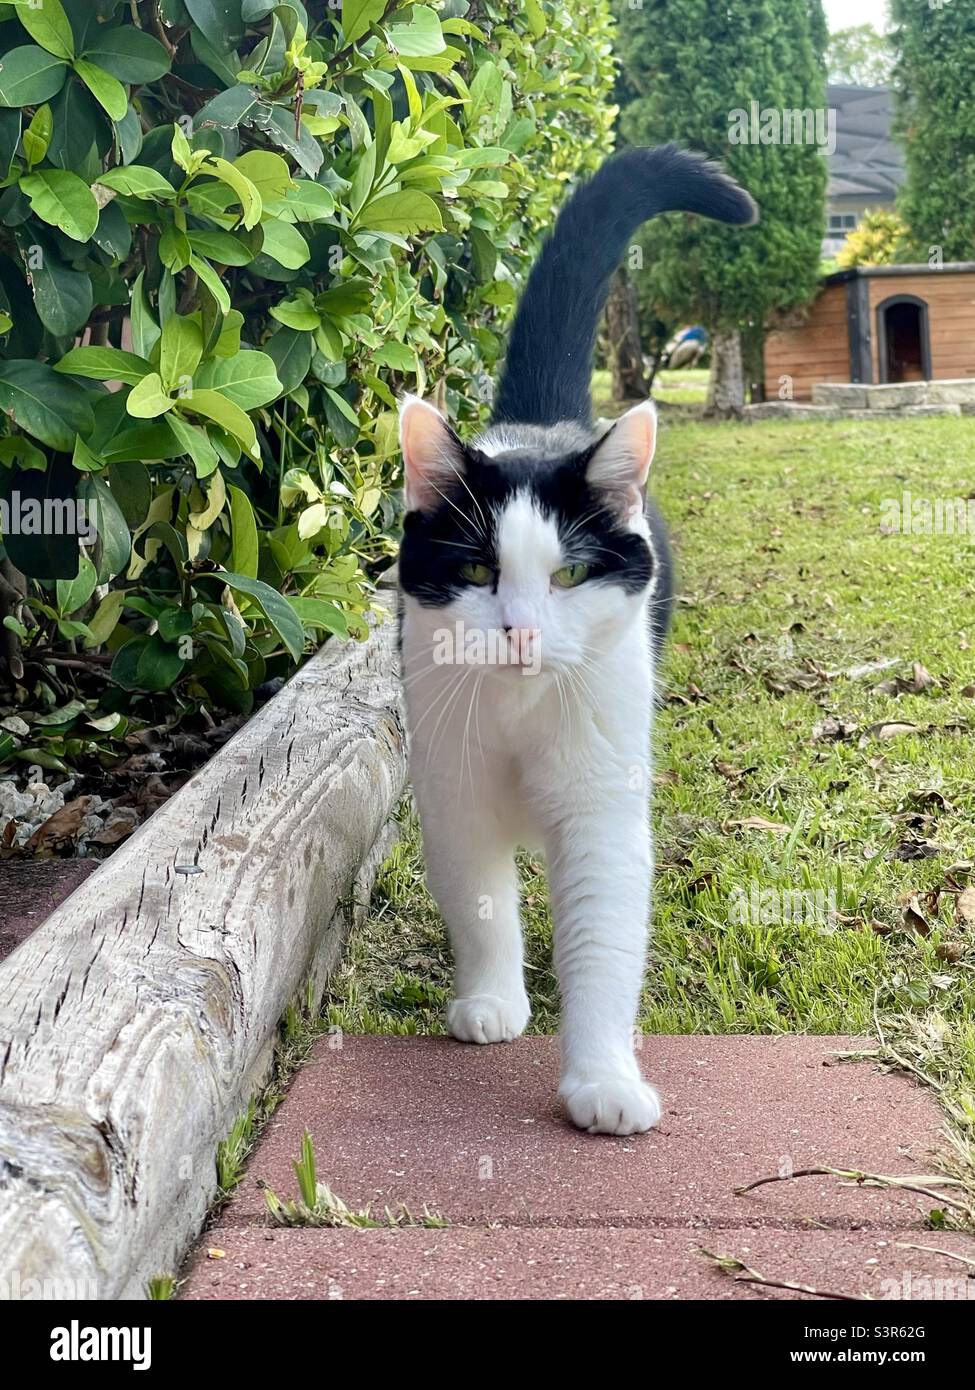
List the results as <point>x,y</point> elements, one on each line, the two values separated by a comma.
<point>549,362</point>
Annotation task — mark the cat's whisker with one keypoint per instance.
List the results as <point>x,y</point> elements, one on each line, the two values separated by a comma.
<point>437,703</point>
<point>443,722</point>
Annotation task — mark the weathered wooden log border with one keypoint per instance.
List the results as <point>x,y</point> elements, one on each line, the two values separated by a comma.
<point>138,1020</point>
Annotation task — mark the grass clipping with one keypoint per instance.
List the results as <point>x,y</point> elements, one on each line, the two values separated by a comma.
<point>318,1205</point>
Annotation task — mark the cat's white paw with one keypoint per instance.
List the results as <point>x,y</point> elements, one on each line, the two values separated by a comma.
<point>617,1105</point>
<point>484,1018</point>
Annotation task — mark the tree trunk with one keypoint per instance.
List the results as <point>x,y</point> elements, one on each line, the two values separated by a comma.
<point>12,592</point>
<point>726,387</point>
<point>753,357</point>
<point>625,347</point>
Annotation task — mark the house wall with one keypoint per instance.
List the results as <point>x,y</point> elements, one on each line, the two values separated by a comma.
<point>816,350</point>
<point>951,316</point>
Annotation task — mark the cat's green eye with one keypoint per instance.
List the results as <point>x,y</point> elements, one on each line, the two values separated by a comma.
<point>477,574</point>
<point>570,575</point>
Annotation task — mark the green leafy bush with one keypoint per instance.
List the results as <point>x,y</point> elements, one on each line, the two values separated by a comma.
<point>233,231</point>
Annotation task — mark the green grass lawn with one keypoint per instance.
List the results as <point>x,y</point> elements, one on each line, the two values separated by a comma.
<point>688,387</point>
<point>780,769</point>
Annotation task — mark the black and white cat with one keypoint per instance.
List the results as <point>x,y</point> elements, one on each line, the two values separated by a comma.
<point>536,588</point>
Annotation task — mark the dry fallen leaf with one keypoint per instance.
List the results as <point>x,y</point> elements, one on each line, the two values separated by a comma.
<point>61,828</point>
<point>830,730</point>
<point>759,823</point>
<point>890,729</point>
<point>965,907</point>
<point>913,918</point>
<point>920,679</point>
<point>950,951</point>
<point>915,848</point>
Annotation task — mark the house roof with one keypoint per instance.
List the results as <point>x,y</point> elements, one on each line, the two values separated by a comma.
<point>866,162</point>
<point>868,272</point>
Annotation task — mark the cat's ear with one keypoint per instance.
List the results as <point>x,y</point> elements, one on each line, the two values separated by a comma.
<point>621,460</point>
<point>433,456</point>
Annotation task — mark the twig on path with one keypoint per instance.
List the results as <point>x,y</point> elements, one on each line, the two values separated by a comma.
<point>934,1250</point>
<point>743,1274</point>
<point>854,1175</point>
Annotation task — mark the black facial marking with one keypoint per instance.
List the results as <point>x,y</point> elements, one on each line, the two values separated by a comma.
<point>462,528</point>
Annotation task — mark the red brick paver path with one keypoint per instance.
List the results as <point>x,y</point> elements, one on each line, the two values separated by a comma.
<point>539,1210</point>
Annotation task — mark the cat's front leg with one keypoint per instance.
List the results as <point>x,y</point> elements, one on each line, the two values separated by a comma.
<point>599,873</point>
<point>471,873</point>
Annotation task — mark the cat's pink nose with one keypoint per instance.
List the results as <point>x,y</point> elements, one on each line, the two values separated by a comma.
<point>523,642</point>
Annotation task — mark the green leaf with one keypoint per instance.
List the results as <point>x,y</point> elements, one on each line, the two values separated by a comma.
<point>220,22</point>
<point>138,181</point>
<point>536,18</point>
<point>396,355</point>
<point>421,36</point>
<point>329,341</point>
<point>84,460</point>
<point>104,364</point>
<point>244,551</point>
<point>320,613</point>
<point>106,89</point>
<point>46,405</point>
<point>305,202</point>
<point>228,342</point>
<point>147,663</point>
<point>149,398</point>
<point>285,244</point>
<point>128,53</point>
<point>29,76</point>
<point>298,312</point>
<point>17,450</point>
<point>209,277</point>
<point>247,194</point>
<point>290,352</point>
<point>194,441</point>
<point>105,618</point>
<point>181,149</point>
<point>80,130</point>
<point>145,330</point>
<point>63,297</point>
<point>342,419</point>
<point>73,594</point>
<point>357,15</point>
<point>249,379</point>
<point>404,212</point>
<point>222,411</point>
<point>113,547</point>
<point>222,247</point>
<point>268,172</point>
<point>276,609</point>
<point>174,249</point>
<point>277,123</point>
<point>215,498</point>
<point>63,199</point>
<point>37,136</point>
<point>132,490</point>
<point>180,351</point>
<point>113,235</point>
<point>10,124</point>
<point>228,109</point>
<point>47,23</point>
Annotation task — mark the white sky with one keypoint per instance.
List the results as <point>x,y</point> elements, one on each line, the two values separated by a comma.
<point>843,14</point>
